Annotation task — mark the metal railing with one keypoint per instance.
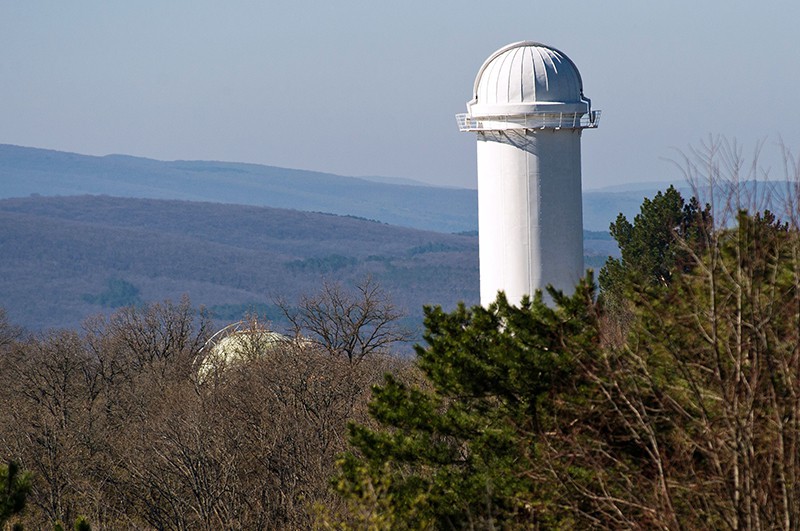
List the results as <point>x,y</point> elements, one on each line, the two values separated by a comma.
<point>565,120</point>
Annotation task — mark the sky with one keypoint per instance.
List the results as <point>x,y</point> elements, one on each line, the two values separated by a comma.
<point>363,88</point>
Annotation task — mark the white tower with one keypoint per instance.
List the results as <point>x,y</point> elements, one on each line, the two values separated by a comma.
<point>528,110</point>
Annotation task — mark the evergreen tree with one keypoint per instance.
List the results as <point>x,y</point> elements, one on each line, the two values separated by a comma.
<point>458,452</point>
<point>655,244</point>
<point>14,489</point>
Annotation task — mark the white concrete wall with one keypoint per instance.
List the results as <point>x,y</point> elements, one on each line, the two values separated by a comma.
<point>530,217</point>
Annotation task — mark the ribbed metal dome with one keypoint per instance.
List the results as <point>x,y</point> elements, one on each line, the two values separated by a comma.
<point>527,77</point>
<point>528,72</point>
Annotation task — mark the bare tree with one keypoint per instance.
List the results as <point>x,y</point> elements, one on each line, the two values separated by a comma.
<point>353,324</point>
<point>116,426</point>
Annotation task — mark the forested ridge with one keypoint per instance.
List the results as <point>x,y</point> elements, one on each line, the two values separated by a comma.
<point>25,171</point>
<point>66,258</point>
<point>63,257</point>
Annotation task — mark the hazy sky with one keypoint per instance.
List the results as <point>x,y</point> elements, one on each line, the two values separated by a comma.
<point>371,88</point>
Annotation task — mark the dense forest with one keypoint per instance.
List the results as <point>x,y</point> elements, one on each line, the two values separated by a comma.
<point>115,426</point>
<point>68,258</point>
<point>667,400</point>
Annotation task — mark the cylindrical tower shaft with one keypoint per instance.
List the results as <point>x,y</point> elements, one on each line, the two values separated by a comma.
<point>529,211</point>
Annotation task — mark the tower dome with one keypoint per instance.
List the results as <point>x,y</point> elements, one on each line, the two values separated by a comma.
<point>527,78</point>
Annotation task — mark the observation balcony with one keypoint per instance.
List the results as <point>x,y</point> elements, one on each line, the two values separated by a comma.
<point>532,121</point>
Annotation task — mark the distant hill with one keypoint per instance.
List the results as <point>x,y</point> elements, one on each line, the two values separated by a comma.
<point>25,171</point>
<point>65,258</point>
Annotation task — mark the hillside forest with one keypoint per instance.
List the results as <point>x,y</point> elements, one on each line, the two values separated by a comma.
<point>664,393</point>
<point>67,258</point>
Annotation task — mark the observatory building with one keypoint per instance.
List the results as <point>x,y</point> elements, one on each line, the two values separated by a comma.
<point>237,344</point>
<point>528,110</point>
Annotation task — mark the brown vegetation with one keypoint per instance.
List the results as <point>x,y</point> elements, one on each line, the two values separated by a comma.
<point>115,425</point>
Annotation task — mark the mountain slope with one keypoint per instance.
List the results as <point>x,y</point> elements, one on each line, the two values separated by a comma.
<point>25,171</point>
<point>58,256</point>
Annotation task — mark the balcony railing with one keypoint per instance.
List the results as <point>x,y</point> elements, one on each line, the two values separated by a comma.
<point>566,120</point>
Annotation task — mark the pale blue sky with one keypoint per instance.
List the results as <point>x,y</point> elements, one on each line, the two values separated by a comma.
<point>371,88</point>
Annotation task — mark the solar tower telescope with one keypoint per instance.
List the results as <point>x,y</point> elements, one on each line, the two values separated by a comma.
<point>528,111</point>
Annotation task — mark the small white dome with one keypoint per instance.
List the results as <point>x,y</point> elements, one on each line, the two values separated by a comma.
<point>527,77</point>
<point>237,344</point>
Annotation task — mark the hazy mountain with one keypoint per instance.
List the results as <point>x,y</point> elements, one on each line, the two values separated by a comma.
<point>151,230</point>
<point>25,171</point>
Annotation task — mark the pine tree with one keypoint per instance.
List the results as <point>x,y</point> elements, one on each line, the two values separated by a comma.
<point>14,489</point>
<point>653,246</point>
<point>457,453</point>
